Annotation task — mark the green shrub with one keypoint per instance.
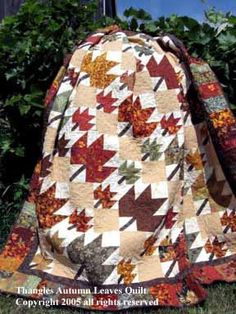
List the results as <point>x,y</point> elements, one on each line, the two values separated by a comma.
<point>33,44</point>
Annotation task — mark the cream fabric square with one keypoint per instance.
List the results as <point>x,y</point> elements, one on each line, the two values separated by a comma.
<point>128,61</point>
<point>81,194</point>
<point>130,148</point>
<point>106,219</point>
<point>85,96</point>
<point>153,171</point>
<point>167,101</point>
<point>60,169</point>
<point>112,45</point>
<point>49,139</point>
<point>77,58</point>
<point>143,83</point>
<point>132,244</point>
<point>190,137</point>
<point>149,268</point>
<point>106,122</point>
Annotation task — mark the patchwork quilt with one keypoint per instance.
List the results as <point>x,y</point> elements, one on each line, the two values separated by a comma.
<point>132,202</point>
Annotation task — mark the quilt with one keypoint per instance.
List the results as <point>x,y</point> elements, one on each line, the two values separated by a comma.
<point>132,202</point>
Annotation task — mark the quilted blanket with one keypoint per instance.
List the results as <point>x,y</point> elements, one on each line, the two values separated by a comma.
<point>132,202</point>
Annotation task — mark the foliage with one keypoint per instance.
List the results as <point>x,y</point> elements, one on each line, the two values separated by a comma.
<point>32,46</point>
<point>134,16</point>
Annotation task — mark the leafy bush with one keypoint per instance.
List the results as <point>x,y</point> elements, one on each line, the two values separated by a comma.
<point>32,46</point>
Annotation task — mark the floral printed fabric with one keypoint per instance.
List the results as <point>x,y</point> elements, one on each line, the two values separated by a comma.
<point>132,202</point>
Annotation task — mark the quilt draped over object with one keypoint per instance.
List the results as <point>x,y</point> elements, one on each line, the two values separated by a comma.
<point>132,202</point>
